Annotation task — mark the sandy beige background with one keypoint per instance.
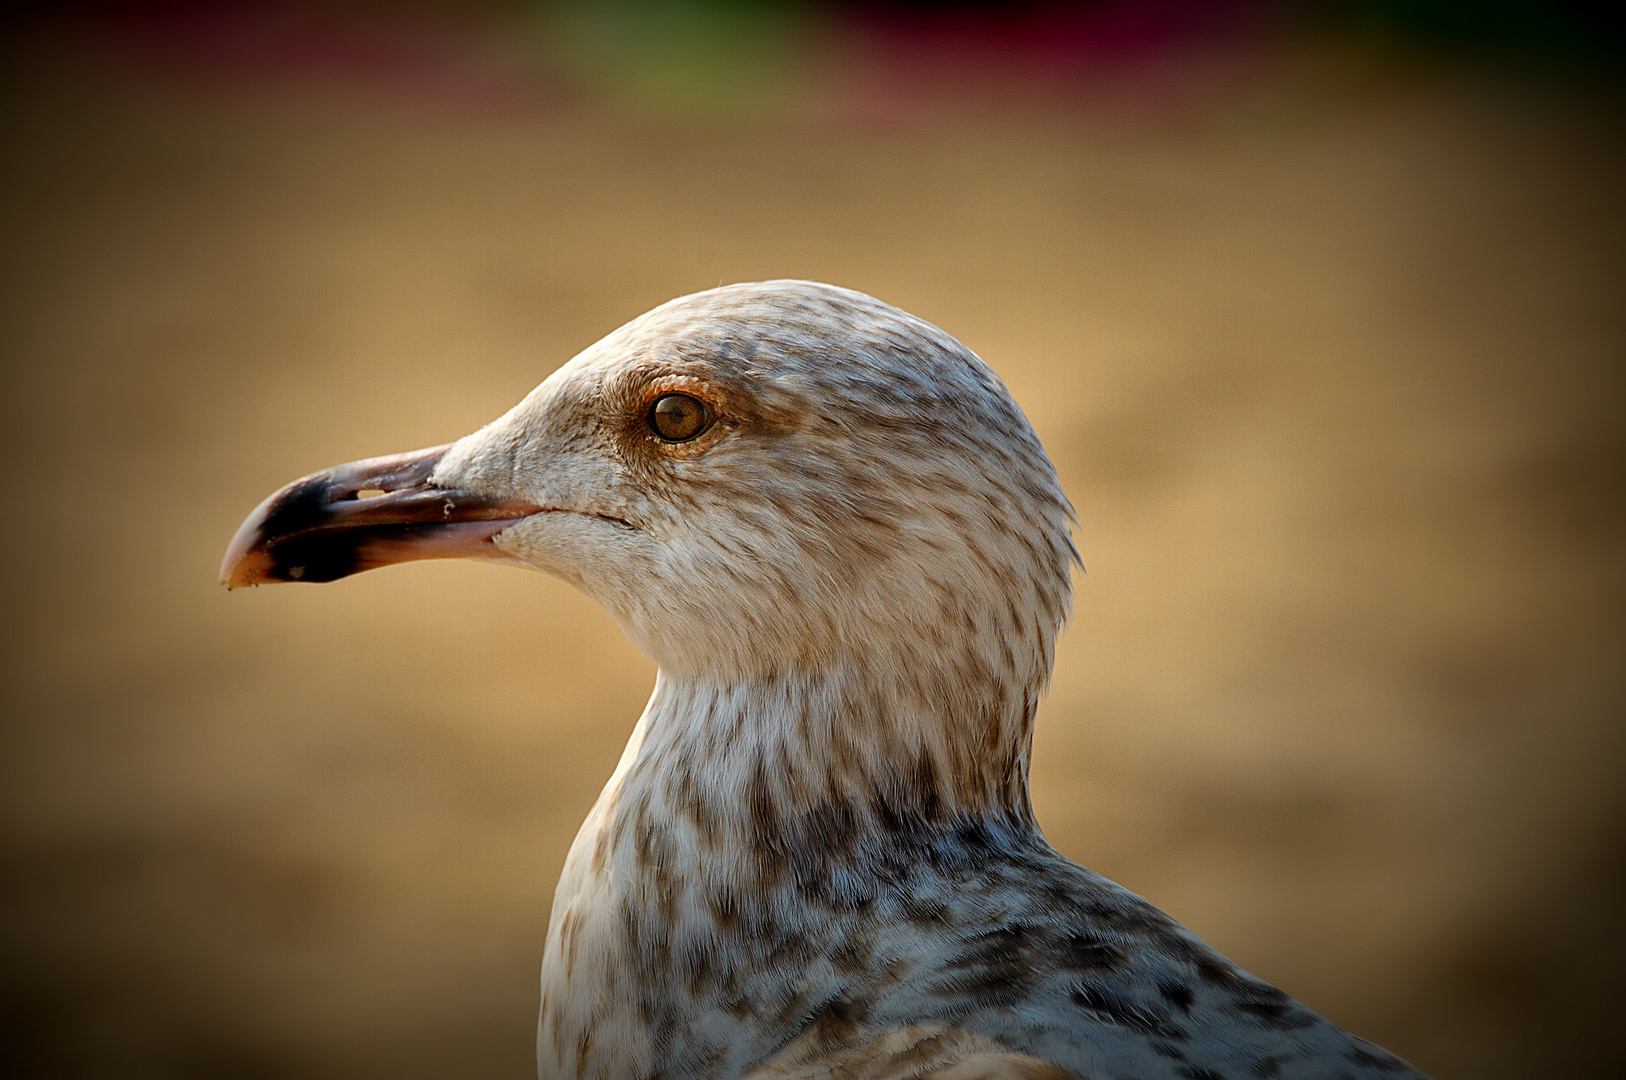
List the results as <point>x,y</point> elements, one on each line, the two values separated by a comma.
<point>1331,371</point>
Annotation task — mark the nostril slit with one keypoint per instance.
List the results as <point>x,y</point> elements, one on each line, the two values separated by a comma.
<point>369,493</point>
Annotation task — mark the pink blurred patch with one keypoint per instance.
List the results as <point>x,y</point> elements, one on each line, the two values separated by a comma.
<point>1123,61</point>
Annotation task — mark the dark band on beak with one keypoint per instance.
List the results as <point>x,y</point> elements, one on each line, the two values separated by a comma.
<point>322,528</point>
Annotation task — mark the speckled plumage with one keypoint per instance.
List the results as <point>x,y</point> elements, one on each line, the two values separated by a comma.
<point>817,856</point>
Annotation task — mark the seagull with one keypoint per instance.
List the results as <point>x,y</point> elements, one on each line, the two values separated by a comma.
<point>841,542</point>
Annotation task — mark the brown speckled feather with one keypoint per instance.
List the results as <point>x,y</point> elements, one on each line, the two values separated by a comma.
<point>911,1053</point>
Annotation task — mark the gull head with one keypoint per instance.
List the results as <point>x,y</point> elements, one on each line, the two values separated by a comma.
<point>758,481</point>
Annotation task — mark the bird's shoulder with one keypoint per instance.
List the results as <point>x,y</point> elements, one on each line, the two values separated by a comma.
<point>991,935</point>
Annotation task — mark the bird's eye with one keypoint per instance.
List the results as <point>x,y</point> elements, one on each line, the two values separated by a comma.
<point>679,417</point>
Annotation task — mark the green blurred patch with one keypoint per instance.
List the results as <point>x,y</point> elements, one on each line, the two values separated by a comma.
<point>689,58</point>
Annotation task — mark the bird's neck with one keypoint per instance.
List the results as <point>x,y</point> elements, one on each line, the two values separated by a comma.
<point>748,761</point>
<point>728,797</point>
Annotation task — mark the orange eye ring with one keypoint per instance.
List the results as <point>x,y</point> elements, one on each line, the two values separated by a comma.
<point>679,417</point>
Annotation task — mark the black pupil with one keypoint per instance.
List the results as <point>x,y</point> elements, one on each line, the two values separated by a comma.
<point>677,417</point>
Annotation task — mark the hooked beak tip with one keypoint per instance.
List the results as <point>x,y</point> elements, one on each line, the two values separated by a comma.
<point>322,527</point>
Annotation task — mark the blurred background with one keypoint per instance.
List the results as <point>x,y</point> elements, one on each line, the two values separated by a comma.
<point>1318,308</point>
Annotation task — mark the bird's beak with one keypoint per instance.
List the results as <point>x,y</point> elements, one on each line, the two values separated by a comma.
<point>361,516</point>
